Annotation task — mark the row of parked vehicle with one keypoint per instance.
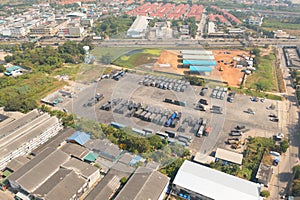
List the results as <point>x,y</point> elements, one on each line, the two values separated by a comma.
<point>219,93</point>
<point>165,83</point>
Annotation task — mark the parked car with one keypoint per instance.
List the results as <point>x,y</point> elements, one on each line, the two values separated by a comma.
<point>279,136</point>
<point>249,111</point>
<point>240,127</point>
<point>203,101</point>
<point>274,119</point>
<point>203,91</point>
<point>235,133</point>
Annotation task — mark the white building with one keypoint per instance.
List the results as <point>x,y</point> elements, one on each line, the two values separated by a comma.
<point>23,135</point>
<point>195,181</point>
<point>139,27</point>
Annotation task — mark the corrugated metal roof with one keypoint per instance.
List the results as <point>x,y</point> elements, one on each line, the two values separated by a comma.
<point>199,69</point>
<point>196,52</point>
<point>91,157</point>
<point>80,137</point>
<point>198,57</point>
<point>215,184</point>
<point>200,62</point>
<point>230,156</point>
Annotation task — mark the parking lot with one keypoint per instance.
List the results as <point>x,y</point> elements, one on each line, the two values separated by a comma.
<point>130,88</point>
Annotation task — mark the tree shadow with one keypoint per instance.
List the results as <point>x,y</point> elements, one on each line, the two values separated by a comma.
<point>284,176</point>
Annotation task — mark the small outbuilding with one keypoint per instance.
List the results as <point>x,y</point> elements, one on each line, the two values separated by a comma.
<point>229,156</point>
<point>79,137</point>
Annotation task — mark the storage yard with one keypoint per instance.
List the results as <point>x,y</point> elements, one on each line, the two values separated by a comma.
<point>222,65</point>
<point>169,107</point>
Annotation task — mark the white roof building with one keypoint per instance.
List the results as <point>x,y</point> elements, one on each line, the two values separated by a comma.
<point>229,156</point>
<point>195,181</point>
<point>139,27</point>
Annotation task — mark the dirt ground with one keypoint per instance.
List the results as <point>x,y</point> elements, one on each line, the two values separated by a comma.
<point>3,54</point>
<point>229,74</point>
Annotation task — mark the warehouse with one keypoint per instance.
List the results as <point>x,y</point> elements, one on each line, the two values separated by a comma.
<point>199,62</point>
<point>202,70</point>
<point>196,52</point>
<point>197,57</point>
<point>29,177</point>
<point>195,181</point>
<point>87,171</point>
<point>53,174</point>
<point>145,184</point>
<point>105,149</point>
<point>75,150</point>
<point>188,63</point>
<point>55,142</point>
<point>22,136</point>
<point>138,28</point>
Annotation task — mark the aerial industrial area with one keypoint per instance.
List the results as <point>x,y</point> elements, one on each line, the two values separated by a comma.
<point>140,100</point>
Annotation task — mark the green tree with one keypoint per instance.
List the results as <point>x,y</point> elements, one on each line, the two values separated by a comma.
<point>296,188</point>
<point>156,142</point>
<point>265,193</point>
<point>2,69</point>
<point>123,180</point>
<point>284,145</point>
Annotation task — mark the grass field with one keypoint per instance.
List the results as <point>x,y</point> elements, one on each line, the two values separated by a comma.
<point>115,52</point>
<point>137,58</point>
<point>264,77</point>
<point>280,25</point>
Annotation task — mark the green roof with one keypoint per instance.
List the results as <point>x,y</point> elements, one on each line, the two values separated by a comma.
<point>6,173</point>
<point>91,157</point>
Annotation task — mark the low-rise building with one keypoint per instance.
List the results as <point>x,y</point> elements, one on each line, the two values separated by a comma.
<point>264,174</point>
<point>75,150</point>
<point>145,183</point>
<point>22,136</point>
<point>105,149</point>
<point>53,174</point>
<point>229,156</point>
<point>139,27</point>
<point>87,171</point>
<point>255,20</point>
<point>195,181</point>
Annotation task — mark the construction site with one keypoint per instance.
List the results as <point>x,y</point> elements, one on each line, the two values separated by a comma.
<point>222,65</point>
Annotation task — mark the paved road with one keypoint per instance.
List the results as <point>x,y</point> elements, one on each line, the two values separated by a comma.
<point>283,173</point>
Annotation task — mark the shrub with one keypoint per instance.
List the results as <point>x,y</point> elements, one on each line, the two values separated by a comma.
<point>265,193</point>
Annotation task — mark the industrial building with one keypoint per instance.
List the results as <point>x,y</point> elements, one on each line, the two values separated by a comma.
<point>195,181</point>
<point>198,61</point>
<point>105,149</point>
<point>53,174</point>
<point>145,183</point>
<point>110,184</point>
<point>23,135</point>
<point>139,27</point>
<point>229,156</point>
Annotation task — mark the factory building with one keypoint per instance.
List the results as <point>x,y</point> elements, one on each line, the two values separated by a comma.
<point>145,183</point>
<point>139,27</point>
<point>53,174</point>
<point>198,61</point>
<point>25,134</point>
<point>195,181</point>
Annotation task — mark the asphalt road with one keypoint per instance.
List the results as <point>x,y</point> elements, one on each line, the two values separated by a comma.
<point>282,176</point>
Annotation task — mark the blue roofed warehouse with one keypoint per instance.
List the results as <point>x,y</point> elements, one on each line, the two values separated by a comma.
<point>212,63</point>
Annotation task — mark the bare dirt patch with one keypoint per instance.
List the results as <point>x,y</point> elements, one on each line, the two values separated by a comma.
<point>224,71</point>
<point>226,66</point>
